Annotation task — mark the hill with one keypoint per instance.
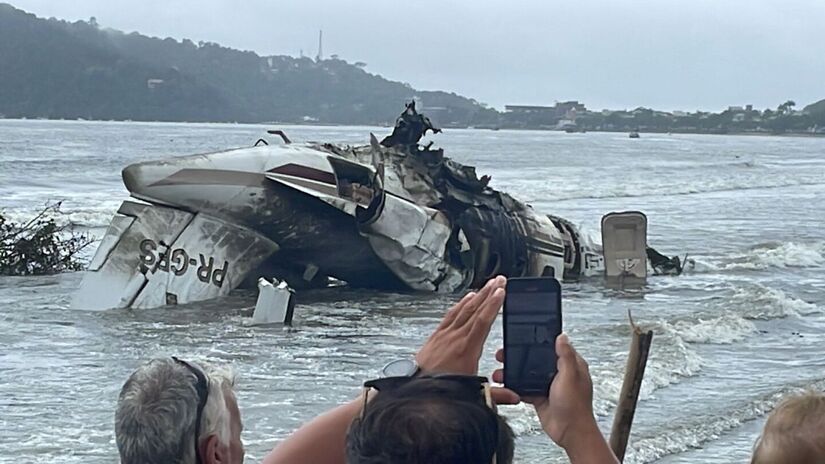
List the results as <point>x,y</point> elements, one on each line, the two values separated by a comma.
<point>57,69</point>
<point>817,108</point>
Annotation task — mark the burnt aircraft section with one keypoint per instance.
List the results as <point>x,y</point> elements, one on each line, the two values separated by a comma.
<point>388,215</point>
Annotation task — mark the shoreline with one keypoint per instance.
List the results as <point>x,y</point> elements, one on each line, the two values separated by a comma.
<point>320,124</point>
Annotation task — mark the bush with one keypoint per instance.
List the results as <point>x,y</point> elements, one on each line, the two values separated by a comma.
<point>40,246</point>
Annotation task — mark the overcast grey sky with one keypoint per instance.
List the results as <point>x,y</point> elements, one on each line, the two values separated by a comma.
<point>666,54</point>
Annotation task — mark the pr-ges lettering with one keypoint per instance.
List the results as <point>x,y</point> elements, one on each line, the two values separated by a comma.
<point>178,263</point>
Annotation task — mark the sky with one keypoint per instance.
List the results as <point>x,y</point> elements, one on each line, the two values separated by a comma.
<point>664,54</point>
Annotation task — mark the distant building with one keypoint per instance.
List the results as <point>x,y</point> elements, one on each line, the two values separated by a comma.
<point>679,114</point>
<point>748,108</point>
<point>567,106</point>
<point>553,114</point>
<point>738,117</point>
<point>529,109</point>
<point>735,109</point>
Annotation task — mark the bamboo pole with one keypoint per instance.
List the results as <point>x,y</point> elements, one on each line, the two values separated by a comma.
<point>634,373</point>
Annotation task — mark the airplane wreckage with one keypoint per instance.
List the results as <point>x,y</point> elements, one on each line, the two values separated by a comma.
<point>391,215</point>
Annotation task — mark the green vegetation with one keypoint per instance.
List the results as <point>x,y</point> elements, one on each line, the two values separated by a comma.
<point>56,69</point>
<point>40,246</point>
<point>784,119</point>
<point>733,120</point>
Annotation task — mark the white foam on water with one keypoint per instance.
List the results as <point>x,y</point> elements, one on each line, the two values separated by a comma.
<point>642,187</point>
<point>732,320</point>
<point>725,329</point>
<point>701,266</point>
<point>522,419</point>
<point>97,215</point>
<point>671,361</point>
<point>701,429</point>
<point>779,255</point>
<point>763,303</point>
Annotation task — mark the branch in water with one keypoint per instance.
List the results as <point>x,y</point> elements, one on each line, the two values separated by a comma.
<point>40,246</point>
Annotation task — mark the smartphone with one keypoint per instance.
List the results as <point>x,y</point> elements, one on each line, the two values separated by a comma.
<point>532,321</point>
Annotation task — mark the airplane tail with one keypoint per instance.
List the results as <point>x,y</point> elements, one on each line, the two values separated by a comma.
<point>156,255</point>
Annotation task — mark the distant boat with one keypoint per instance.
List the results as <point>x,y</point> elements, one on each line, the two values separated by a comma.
<point>634,134</point>
<point>569,126</point>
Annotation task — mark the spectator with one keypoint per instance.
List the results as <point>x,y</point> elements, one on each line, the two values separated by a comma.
<point>173,411</point>
<point>794,432</point>
<point>433,419</point>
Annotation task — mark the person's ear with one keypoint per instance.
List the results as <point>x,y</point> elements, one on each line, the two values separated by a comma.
<point>212,452</point>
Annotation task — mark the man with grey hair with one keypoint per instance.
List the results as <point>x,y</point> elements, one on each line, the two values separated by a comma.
<point>174,411</point>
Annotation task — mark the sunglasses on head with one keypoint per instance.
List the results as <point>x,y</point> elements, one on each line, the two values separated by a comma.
<point>202,387</point>
<point>478,390</point>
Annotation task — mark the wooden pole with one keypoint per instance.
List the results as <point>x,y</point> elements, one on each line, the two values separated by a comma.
<point>634,373</point>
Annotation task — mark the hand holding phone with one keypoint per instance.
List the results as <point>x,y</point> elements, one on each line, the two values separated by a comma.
<point>532,321</point>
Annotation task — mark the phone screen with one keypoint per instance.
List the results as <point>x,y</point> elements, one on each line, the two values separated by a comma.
<point>532,321</point>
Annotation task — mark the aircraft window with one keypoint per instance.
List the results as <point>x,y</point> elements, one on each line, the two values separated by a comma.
<point>354,182</point>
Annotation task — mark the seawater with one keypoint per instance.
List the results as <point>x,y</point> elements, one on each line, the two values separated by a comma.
<point>740,329</point>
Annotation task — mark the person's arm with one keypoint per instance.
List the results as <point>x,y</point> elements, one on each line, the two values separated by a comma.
<point>567,413</point>
<point>322,440</point>
<point>588,446</point>
<point>454,347</point>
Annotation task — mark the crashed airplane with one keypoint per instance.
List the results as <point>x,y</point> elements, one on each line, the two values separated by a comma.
<point>391,215</point>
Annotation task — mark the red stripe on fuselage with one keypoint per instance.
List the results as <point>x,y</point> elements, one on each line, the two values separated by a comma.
<point>305,172</point>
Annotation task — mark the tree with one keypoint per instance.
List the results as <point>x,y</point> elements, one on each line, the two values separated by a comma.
<point>786,108</point>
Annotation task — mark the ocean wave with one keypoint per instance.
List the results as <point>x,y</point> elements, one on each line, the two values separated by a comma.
<point>92,216</point>
<point>771,255</point>
<point>673,358</point>
<point>725,329</point>
<point>779,255</point>
<point>701,429</point>
<point>758,302</point>
<point>522,419</point>
<point>526,191</point>
<point>671,361</point>
<point>701,266</point>
<point>731,319</point>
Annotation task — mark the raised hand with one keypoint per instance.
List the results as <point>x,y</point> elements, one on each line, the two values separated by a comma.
<point>568,409</point>
<point>456,344</point>
<point>566,414</point>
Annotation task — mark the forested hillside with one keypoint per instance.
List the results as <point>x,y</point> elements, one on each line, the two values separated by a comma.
<point>57,69</point>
